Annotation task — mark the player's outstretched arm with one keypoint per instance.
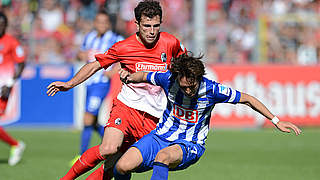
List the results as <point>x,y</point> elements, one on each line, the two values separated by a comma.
<point>84,73</point>
<point>258,106</point>
<point>136,77</point>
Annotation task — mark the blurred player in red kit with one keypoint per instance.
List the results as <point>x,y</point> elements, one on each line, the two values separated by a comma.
<point>11,66</point>
<point>138,107</point>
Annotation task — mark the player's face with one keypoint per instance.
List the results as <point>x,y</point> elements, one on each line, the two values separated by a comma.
<point>189,88</point>
<point>102,23</point>
<point>149,29</point>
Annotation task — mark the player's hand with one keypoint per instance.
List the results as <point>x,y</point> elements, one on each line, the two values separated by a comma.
<point>285,126</point>
<point>57,86</point>
<point>124,75</point>
<point>5,92</point>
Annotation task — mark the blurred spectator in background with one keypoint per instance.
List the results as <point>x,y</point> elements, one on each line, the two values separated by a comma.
<point>11,66</point>
<point>243,31</point>
<point>51,15</point>
<point>51,52</point>
<point>307,50</point>
<point>88,9</point>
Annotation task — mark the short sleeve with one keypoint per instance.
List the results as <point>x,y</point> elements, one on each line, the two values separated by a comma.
<point>108,58</point>
<point>18,52</point>
<point>225,94</point>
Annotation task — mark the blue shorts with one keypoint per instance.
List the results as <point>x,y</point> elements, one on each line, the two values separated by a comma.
<point>95,96</point>
<point>151,144</point>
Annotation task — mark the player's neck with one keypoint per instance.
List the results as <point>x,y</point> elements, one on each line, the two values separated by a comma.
<point>102,34</point>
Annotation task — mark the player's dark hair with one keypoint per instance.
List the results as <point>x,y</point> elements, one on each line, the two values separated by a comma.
<point>149,8</point>
<point>2,15</point>
<point>189,66</point>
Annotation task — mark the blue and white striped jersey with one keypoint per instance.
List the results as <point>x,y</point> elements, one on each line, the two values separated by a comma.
<point>94,45</point>
<point>186,117</point>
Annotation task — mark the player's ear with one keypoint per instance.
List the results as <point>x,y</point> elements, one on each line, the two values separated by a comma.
<point>137,24</point>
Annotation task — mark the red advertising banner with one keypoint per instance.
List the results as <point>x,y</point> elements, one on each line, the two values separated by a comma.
<point>290,92</point>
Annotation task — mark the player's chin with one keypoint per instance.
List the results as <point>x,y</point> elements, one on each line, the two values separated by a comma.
<point>150,40</point>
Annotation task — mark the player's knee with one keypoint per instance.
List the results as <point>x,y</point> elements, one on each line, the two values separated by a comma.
<point>89,119</point>
<point>163,157</point>
<point>108,149</point>
<point>88,123</point>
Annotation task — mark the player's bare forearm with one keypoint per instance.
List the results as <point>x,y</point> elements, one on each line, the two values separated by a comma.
<point>5,92</point>
<point>6,89</point>
<point>84,73</point>
<point>258,106</point>
<point>115,69</point>
<point>136,77</point>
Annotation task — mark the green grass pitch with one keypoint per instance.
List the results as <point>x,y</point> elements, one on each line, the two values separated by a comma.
<point>231,155</point>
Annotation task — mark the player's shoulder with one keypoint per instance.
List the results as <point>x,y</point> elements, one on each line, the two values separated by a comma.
<point>125,45</point>
<point>161,77</point>
<point>169,76</point>
<point>131,39</point>
<point>167,73</point>
<point>10,39</point>
<point>163,74</point>
<point>91,34</point>
<point>210,83</point>
<point>126,42</point>
<point>170,41</point>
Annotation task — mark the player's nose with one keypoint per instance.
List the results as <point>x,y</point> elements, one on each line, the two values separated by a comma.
<point>152,31</point>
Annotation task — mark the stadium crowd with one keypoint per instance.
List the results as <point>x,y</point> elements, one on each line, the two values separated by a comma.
<point>238,31</point>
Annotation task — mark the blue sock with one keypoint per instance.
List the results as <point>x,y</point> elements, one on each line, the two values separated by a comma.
<point>100,129</point>
<point>85,138</point>
<point>118,176</point>
<point>160,171</point>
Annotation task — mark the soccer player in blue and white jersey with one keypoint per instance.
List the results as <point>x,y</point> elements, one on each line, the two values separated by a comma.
<point>97,41</point>
<point>179,138</point>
